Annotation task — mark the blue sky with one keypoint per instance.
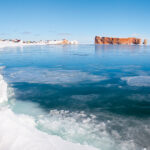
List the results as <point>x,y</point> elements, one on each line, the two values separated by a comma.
<point>74,19</point>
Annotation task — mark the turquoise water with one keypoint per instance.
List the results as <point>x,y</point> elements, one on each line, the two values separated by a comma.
<point>92,95</point>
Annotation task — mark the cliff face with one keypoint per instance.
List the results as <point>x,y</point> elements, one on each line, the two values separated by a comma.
<point>109,40</point>
<point>145,42</point>
<point>65,42</point>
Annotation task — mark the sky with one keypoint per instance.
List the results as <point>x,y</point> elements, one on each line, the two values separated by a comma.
<point>78,20</point>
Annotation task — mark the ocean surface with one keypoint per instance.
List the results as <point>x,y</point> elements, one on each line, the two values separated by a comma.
<point>75,97</point>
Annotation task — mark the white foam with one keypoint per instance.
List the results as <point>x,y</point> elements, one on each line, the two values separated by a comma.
<point>138,81</point>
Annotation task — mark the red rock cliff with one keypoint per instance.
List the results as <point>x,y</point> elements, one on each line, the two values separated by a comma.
<point>109,40</point>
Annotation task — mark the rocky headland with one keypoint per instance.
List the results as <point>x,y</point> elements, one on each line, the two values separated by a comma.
<point>125,41</point>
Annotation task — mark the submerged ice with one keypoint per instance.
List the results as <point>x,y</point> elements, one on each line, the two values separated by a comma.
<point>20,132</point>
<point>139,81</point>
<point>51,76</point>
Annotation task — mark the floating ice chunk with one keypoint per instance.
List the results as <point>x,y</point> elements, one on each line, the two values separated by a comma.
<point>137,81</point>
<point>51,76</point>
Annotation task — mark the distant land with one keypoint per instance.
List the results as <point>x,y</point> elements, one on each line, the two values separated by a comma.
<point>98,40</point>
<point>17,42</point>
<point>125,41</point>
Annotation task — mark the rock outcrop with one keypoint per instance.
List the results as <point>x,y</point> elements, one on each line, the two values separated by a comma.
<point>110,40</point>
<point>64,41</point>
<point>145,42</point>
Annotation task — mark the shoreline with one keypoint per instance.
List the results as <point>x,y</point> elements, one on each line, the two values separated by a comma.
<point>19,43</point>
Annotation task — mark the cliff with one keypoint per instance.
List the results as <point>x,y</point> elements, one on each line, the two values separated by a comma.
<point>110,40</point>
<point>145,42</point>
<point>65,42</point>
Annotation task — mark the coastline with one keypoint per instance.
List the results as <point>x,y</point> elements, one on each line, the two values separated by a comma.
<point>11,44</point>
<point>19,43</point>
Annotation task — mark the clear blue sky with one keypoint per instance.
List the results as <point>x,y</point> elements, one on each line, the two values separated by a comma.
<point>74,19</point>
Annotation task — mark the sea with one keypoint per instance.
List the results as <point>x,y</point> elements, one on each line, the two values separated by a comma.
<point>75,97</point>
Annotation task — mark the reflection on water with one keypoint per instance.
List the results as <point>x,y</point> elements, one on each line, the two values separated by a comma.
<point>121,47</point>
